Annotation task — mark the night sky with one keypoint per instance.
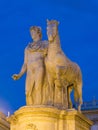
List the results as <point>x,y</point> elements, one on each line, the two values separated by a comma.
<point>78,31</point>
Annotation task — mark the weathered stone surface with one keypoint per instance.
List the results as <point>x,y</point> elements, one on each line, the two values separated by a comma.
<point>48,118</point>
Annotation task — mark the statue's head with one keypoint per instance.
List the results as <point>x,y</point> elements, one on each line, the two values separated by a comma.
<point>35,31</point>
<point>52,29</point>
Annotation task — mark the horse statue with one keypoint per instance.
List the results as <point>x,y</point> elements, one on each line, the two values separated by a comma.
<point>63,75</point>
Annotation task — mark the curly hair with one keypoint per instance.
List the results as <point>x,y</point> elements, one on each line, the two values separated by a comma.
<point>38,29</point>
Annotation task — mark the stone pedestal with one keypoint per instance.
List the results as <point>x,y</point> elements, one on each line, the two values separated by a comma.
<point>48,118</point>
<point>4,125</point>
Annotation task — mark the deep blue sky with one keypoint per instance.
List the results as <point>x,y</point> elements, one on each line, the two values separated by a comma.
<point>79,40</point>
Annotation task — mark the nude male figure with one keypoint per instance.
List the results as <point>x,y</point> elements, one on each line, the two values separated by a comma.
<point>34,67</point>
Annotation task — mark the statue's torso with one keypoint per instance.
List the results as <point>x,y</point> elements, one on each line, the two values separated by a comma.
<point>35,54</point>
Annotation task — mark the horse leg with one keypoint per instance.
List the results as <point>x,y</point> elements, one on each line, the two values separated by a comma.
<point>69,90</point>
<point>58,94</point>
<point>60,89</point>
<point>51,89</point>
<point>79,91</point>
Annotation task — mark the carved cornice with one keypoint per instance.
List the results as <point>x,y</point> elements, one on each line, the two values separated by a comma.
<point>12,119</point>
<point>30,117</point>
<point>40,111</point>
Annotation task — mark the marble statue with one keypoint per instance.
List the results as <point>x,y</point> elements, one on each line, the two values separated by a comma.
<point>63,74</point>
<point>51,75</point>
<point>34,67</point>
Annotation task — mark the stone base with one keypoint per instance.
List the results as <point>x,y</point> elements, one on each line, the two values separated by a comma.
<point>48,118</point>
<point>4,125</point>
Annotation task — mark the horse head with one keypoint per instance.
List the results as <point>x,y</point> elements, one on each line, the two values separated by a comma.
<point>52,30</point>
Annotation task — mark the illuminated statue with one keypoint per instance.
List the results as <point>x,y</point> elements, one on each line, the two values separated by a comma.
<point>63,74</point>
<point>51,76</point>
<point>34,66</point>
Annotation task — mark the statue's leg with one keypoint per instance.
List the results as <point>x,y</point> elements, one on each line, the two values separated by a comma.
<point>45,91</point>
<point>29,88</point>
<point>39,78</point>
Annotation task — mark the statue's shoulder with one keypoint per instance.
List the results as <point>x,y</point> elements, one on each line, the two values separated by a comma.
<point>45,43</point>
<point>28,46</point>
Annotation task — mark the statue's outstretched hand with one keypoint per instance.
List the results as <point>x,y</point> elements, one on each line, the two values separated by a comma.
<point>15,76</point>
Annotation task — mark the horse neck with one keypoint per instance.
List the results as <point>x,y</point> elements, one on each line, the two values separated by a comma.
<point>56,41</point>
<point>54,46</point>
